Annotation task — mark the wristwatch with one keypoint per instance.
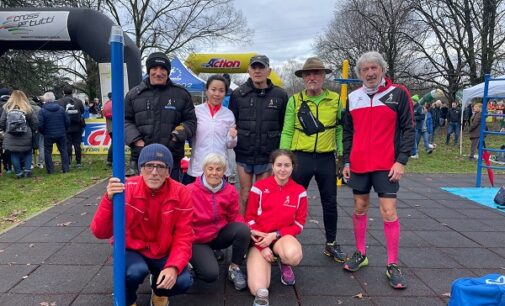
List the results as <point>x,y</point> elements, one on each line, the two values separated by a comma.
<point>277,235</point>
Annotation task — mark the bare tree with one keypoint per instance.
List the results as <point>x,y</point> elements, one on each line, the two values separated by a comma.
<point>175,26</point>
<point>375,25</point>
<point>462,40</point>
<point>292,83</point>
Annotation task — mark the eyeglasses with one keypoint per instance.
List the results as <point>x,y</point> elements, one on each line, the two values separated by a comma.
<point>158,167</point>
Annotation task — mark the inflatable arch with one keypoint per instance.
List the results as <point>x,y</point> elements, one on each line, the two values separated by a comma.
<point>224,63</point>
<point>65,29</point>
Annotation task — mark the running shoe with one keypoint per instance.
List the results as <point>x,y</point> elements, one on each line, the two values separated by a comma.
<point>237,277</point>
<point>287,274</point>
<point>356,261</point>
<point>333,249</point>
<point>395,276</point>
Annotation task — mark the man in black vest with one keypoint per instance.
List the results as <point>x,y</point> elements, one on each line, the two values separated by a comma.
<point>259,107</point>
<point>74,108</point>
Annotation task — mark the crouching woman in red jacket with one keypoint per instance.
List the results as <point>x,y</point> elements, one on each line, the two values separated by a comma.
<point>276,213</point>
<point>217,223</point>
<point>158,216</point>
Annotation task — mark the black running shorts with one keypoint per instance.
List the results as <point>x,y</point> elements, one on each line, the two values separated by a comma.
<point>362,183</point>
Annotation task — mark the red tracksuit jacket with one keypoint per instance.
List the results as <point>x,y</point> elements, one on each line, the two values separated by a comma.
<point>157,224</point>
<point>274,208</point>
<point>212,211</point>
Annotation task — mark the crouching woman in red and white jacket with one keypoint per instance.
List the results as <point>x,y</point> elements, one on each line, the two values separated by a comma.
<point>276,213</point>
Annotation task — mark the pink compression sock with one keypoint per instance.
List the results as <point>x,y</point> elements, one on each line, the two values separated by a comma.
<point>360,222</point>
<point>392,233</point>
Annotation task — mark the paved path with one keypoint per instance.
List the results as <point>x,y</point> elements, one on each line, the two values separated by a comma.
<point>52,259</point>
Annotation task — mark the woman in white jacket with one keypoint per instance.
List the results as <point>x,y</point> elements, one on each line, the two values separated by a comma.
<point>215,131</point>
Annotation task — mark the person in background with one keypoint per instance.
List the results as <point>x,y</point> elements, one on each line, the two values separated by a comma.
<point>444,110</point>
<point>74,109</point>
<point>53,124</point>
<point>276,214</point>
<point>419,116</point>
<point>158,225</point>
<point>157,110</point>
<point>467,116</point>
<point>436,114</point>
<point>18,136</point>
<point>427,128</point>
<point>94,110</point>
<point>475,124</point>
<point>38,139</point>
<point>379,134</point>
<point>4,154</point>
<point>217,223</point>
<point>317,147</point>
<point>259,107</point>
<point>86,108</point>
<point>453,123</point>
<point>215,131</point>
<point>226,100</point>
<point>107,114</point>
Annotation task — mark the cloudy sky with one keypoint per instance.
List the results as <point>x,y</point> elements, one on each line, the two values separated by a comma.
<point>283,29</point>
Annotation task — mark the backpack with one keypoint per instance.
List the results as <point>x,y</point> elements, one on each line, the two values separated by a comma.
<point>74,114</point>
<point>16,122</point>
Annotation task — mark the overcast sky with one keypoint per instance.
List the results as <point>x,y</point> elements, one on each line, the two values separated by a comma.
<point>283,29</point>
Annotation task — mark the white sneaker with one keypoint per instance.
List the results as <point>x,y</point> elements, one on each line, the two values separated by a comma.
<point>414,156</point>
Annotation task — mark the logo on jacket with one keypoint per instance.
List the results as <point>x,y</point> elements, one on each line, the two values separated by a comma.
<point>286,202</point>
<point>389,100</point>
<point>272,103</point>
<point>266,190</point>
<point>170,104</point>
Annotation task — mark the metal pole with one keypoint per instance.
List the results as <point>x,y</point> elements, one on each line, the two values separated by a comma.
<point>117,70</point>
<point>487,77</point>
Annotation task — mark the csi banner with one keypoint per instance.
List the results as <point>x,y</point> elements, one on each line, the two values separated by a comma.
<point>95,138</point>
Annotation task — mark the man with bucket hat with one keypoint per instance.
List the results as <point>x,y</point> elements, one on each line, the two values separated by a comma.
<point>312,130</point>
<point>159,232</point>
<point>158,111</point>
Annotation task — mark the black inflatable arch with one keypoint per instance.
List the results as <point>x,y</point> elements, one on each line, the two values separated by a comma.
<point>88,30</point>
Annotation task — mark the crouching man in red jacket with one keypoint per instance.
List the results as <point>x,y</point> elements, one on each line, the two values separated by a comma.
<point>159,235</point>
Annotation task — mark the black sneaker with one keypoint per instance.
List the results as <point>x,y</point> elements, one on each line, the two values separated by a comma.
<point>333,249</point>
<point>395,276</point>
<point>357,261</point>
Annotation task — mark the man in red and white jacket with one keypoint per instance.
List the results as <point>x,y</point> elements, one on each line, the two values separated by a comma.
<point>159,231</point>
<point>378,137</point>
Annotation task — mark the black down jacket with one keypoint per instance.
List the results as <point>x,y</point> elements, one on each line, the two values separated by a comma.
<point>153,112</point>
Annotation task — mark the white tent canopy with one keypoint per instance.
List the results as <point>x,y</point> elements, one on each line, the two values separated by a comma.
<point>496,89</point>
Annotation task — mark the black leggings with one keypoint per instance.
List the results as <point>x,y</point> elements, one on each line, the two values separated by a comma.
<point>322,166</point>
<point>205,263</point>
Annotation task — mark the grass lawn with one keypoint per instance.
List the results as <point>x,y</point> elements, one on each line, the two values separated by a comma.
<point>21,198</point>
<point>446,158</point>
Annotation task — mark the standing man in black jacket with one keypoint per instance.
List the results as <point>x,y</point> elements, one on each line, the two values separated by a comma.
<point>74,109</point>
<point>158,111</point>
<point>453,123</point>
<point>259,108</point>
